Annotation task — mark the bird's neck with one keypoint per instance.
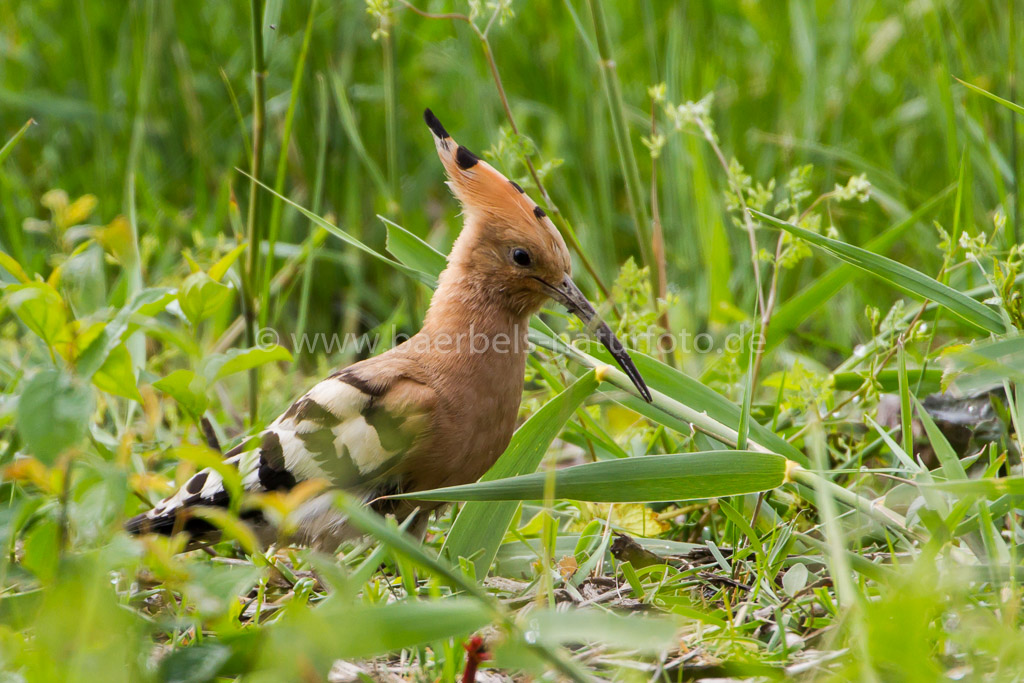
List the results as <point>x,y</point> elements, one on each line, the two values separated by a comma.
<point>470,325</point>
<point>462,308</point>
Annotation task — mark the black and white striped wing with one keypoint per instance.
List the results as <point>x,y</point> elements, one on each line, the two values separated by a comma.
<point>346,431</point>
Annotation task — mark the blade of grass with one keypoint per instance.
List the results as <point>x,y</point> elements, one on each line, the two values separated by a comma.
<point>347,238</point>
<point>318,193</point>
<point>654,478</point>
<point>274,225</point>
<point>254,226</point>
<point>904,278</point>
<point>8,147</point>
<point>801,305</point>
<point>1012,106</point>
<point>620,128</point>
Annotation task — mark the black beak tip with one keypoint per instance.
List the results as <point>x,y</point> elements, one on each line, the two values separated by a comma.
<point>636,378</point>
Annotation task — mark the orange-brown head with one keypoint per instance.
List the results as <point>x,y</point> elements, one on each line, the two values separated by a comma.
<point>509,252</point>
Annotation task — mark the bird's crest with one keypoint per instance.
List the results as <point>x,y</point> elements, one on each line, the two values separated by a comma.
<point>481,188</point>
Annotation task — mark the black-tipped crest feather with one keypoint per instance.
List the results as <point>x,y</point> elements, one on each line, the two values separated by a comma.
<point>435,126</point>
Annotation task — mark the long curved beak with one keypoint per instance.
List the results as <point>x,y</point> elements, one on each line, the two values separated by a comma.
<point>570,296</point>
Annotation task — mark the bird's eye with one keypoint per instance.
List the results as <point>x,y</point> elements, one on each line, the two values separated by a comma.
<point>521,257</point>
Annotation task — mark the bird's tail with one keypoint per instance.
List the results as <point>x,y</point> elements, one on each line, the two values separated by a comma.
<point>205,488</point>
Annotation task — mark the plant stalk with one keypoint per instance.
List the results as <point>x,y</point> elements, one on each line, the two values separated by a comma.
<point>254,226</point>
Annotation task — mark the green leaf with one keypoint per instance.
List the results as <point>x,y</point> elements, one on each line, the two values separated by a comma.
<point>698,396</point>
<point>412,251</point>
<point>930,380</point>
<point>634,632</point>
<point>339,629</point>
<point>195,664</point>
<point>117,376</point>
<point>212,588</point>
<point>148,302</point>
<point>41,550</point>
<point>218,269</point>
<point>801,305</point>
<point>989,488</point>
<point>8,263</point>
<point>902,277</point>
<point>200,296</point>
<point>239,360</point>
<point>53,413</point>
<point>988,363</point>
<point>1012,106</point>
<point>481,526</point>
<point>40,307</point>
<point>420,276</point>
<point>5,151</point>
<point>652,478</point>
<point>951,465</point>
<point>402,543</point>
<point>187,388</point>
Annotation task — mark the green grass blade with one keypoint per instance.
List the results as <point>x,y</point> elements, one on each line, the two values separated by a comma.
<point>951,465</point>
<point>341,629</point>
<point>689,391</point>
<point>904,278</point>
<point>655,478</point>
<point>801,305</point>
<point>8,147</point>
<point>425,278</point>
<point>1012,106</point>
<point>274,226</point>
<point>412,251</point>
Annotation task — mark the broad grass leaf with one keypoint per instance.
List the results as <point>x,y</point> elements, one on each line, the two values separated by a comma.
<point>340,629</point>
<point>904,278</point>
<point>53,413</point>
<point>924,381</point>
<point>653,478</point>
<point>412,251</point>
<point>634,632</point>
<point>801,305</point>
<point>693,393</point>
<point>987,488</point>
<point>480,526</point>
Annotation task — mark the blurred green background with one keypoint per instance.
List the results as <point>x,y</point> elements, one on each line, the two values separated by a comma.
<point>162,92</point>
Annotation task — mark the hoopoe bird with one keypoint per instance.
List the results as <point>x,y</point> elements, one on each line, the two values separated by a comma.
<point>436,410</point>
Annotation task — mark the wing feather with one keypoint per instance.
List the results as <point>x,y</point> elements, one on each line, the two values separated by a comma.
<point>347,429</point>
